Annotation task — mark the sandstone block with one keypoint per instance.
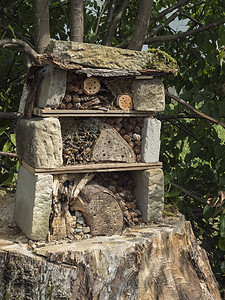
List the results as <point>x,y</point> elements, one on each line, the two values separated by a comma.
<point>150,146</point>
<point>148,95</point>
<point>149,193</point>
<point>33,203</point>
<point>39,142</point>
<point>52,87</point>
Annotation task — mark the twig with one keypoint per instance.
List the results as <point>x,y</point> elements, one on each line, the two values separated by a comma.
<point>189,193</point>
<point>100,16</point>
<point>192,19</point>
<point>155,30</point>
<point>9,115</point>
<point>195,110</point>
<point>21,46</point>
<point>168,10</point>
<point>8,154</point>
<point>163,117</point>
<point>173,37</point>
<point>112,26</point>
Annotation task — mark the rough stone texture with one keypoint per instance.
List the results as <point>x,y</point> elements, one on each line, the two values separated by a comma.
<point>39,142</point>
<point>150,144</point>
<point>157,262</point>
<point>98,56</point>
<point>148,95</point>
<point>149,193</point>
<point>33,203</point>
<point>52,87</point>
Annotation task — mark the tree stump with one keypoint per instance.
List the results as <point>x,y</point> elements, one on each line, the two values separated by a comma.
<point>100,209</point>
<point>156,262</point>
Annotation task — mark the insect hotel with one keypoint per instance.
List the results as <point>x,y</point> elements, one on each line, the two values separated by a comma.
<point>89,142</point>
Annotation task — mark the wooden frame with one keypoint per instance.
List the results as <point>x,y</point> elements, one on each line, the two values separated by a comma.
<point>98,167</point>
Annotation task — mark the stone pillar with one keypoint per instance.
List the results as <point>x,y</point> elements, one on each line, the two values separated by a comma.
<point>33,203</point>
<point>150,144</point>
<point>39,142</point>
<point>149,193</point>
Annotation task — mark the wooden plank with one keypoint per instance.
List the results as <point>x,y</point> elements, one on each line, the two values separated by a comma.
<point>143,77</point>
<point>90,113</point>
<point>86,168</point>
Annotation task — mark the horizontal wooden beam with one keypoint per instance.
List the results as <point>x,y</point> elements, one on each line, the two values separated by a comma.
<point>99,167</point>
<point>90,113</point>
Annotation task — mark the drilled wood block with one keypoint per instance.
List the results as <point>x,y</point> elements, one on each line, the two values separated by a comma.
<point>110,146</point>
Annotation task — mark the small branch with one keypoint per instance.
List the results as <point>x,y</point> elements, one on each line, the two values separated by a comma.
<point>189,193</point>
<point>195,110</point>
<point>173,37</point>
<point>112,26</point>
<point>9,115</point>
<point>155,30</point>
<point>186,130</point>
<point>192,19</point>
<point>100,16</point>
<point>20,46</point>
<point>163,117</point>
<point>168,10</point>
<point>8,154</point>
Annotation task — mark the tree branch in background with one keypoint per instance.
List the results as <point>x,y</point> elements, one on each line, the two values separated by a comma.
<point>168,10</point>
<point>111,9</point>
<point>9,115</point>
<point>141,25</point>
<point>192,19</point>
<point>195,110</point>
<point>100,16</point>
<point>8,154</point>
<point>112,25</point>
<point>21,46</point>
<point>173,37</point>
<point>41,24</point>
<point>155,30</point>
<point>188,193</point>
<point>76,20</point>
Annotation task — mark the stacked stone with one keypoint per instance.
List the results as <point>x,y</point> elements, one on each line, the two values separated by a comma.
<point>39,141</point>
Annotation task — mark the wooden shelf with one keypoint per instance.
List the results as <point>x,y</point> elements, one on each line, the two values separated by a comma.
<point>86,168</point>
<point>90,113</point>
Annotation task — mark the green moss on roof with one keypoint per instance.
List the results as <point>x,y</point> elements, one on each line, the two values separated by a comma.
<point>99,56</point>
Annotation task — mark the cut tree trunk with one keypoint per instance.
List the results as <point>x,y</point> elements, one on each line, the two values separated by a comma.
<point>162,262</point>
<point>100,209</point>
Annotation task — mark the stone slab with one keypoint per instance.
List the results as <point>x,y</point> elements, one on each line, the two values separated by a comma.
<point>39,142</point>
<point>149,193</point>
<point>52,87</point>
<point>33,203</point>
<point>150,144</point>
<point>99,56</point>
<point>148,95</point>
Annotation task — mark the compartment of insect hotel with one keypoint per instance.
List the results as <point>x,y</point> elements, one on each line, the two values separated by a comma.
<point>89,143</point>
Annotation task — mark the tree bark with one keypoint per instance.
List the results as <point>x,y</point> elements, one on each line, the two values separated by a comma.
<point>76,21</point>
<point>141,25</point>
<point>41,24</point>
<point>111,27</point>
<point>154,262</point>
